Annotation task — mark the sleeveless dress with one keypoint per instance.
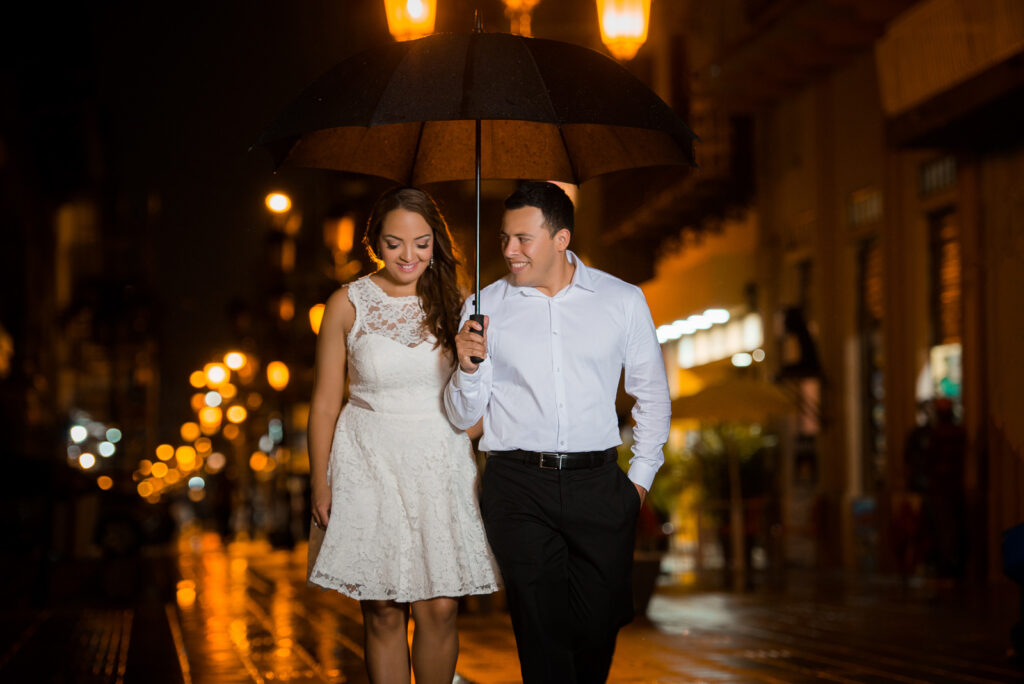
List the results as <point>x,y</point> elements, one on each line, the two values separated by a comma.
<point>405,523</point>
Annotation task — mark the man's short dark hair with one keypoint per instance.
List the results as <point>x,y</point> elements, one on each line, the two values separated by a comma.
<point>552,201</point>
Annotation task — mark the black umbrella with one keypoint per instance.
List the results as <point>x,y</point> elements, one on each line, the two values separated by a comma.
<point>492,105</point>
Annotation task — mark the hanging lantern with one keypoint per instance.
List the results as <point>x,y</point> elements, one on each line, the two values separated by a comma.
<point>624,25</point>
<point>410,19</point>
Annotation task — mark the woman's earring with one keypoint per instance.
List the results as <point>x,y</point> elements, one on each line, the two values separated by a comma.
<point>431,262</point>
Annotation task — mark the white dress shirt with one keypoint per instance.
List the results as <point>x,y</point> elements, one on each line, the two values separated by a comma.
<point>552,371</point>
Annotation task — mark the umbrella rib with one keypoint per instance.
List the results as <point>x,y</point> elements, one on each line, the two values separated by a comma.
<point>416,154</point>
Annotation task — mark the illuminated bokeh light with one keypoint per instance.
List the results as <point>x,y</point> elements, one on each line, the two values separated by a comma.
<point>278,202</point>
<point>197,379</point>
<point>210,418</point>
<point>186,593</point>
<point>165,452</point>
<point>228,391</point>
<point>236,414</point>
<point>203,445</point>
<point>106,449</point>
<point>213,398</point>
<point>216,374</point>
<point>104,482</point>
<point>159,469</point>
<point>87,460</point>
<point>216,461</point>
<point>190,432</point>
<point>198,401</point>
<point>258,461</point>
<point>114,435</point>
<point>234,360</point>
<point>277,375</point>
<point>316,317</point>
<point>79,434</point>
<point>145,488</point>
<point>231,431</point>
<point>172,476</point>
<point>145,467</point>
<point>254,400</point>
<point>196,482</point>
<point>186,456</point>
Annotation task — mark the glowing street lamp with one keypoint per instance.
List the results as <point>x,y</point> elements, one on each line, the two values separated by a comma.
<point>624,26</point>
<point>410,19</point>
<point>278,202</point>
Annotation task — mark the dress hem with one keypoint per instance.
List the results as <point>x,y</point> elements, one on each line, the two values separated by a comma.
<point>490,589</point>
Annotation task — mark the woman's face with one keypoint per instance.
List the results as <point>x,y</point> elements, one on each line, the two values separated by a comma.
<point>405,246</point>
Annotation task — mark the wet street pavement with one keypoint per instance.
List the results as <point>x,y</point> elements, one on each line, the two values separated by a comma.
<point>243,613</point>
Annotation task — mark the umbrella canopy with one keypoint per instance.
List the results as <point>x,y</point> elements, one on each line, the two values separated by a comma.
<point>739,399</point>
<point>548,110</point>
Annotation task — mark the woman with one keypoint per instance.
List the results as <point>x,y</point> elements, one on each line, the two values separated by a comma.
<point>392,480</point>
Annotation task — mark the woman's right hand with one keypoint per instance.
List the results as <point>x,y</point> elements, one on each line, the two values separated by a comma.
<point>321,504</point>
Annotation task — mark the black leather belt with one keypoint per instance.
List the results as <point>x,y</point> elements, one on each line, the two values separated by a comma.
<point>552,460</point>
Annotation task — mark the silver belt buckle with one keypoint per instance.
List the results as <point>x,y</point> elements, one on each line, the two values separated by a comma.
<point>540,460</point>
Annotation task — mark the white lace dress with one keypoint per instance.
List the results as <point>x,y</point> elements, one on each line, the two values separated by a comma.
<point>405,524</point>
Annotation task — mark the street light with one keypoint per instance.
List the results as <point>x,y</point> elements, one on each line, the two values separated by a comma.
<point>624,26</point>
<point>410,19</point>
<point>278,202</point>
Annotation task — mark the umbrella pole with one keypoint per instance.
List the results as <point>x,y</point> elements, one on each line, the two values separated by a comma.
<point>476,276</point>
<point>477,316</point>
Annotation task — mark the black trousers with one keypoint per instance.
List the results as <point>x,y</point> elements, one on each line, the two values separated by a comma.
<point>563,540</point>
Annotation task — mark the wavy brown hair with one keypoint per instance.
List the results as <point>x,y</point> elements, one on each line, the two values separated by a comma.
<point>438,287</point>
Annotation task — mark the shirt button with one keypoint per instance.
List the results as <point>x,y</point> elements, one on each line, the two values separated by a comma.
<point>554,332</point>
<point>561,405</point>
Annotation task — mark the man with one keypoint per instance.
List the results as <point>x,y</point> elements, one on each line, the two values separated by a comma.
<point>560,514</point>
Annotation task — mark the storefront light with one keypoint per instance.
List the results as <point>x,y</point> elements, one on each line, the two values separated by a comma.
<point>742,360</point>
<point>717,316</point>
<point>699,322</point>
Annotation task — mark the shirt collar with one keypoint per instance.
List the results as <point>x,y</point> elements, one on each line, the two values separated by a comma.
<point>581,277</point>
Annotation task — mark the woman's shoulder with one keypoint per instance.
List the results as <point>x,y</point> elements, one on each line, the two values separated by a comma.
<point>339,306</point>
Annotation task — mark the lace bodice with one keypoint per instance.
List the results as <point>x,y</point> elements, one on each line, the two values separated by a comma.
<point>398,318</point>
<point>393,364</point>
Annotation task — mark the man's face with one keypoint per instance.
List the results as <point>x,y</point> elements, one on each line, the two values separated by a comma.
<point>531,252</point>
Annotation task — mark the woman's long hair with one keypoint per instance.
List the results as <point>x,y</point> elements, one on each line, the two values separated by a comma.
<point>438,287</point>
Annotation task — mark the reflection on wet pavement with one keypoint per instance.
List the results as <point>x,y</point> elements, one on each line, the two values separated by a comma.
<point>242,612</point>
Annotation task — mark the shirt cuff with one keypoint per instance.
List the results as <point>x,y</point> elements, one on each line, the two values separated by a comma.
<point>469,382</point>
<point>642,473</point>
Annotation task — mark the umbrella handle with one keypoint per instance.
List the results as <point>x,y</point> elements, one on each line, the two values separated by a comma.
<point>478,318</point>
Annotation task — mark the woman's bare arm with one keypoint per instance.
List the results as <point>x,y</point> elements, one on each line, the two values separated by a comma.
<point>328,392</point>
